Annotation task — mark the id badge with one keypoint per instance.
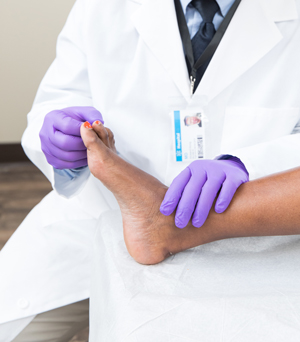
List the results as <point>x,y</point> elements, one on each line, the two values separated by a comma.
<point>188,135</point>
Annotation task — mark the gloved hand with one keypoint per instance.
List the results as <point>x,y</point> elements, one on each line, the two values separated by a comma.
<point>60,136</point>
<point>201,181</point>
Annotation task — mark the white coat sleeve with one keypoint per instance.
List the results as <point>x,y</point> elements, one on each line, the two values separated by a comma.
<point>270,157</point>
<point>65,84</point>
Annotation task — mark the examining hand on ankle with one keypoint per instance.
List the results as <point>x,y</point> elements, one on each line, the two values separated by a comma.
<point>195,189</point>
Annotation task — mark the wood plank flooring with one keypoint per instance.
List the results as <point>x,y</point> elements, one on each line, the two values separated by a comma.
<point>22,186</point>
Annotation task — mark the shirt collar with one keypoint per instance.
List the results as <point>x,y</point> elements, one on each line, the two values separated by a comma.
<point>223,4</point>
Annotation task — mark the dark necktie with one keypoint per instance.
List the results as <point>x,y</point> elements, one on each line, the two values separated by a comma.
<point>207,10</point>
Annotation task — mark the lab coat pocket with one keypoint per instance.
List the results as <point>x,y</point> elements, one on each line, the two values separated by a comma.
<point>245,126</point>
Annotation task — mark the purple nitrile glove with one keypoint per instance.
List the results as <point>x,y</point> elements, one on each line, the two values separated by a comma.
<point>60,136</point>
<point>195,188</point>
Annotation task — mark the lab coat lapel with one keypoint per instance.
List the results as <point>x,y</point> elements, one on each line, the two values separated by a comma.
<point>251,34</point>
<point>156,23</point>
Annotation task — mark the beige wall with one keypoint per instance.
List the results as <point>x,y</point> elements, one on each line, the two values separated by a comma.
<point>28,33</point>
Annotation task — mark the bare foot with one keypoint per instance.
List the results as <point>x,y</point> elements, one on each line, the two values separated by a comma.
<point>150,237</point>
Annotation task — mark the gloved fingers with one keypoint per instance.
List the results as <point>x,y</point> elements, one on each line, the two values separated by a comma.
<point>63,122</point>
<point>174,192</point>
<point>205,202</point>
<point>66,142</point>
<point>189,199</point>
<point>86,113</point>
<point>62,164</point>
<point>70,156</point>
<point>227,192</point>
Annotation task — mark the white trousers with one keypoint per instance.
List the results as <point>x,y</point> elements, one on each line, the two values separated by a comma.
<point>58,325</point>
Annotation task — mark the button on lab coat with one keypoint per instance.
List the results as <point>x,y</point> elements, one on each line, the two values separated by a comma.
<point>125,58</point>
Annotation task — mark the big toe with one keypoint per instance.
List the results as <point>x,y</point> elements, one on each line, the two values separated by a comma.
<point>90,137</point>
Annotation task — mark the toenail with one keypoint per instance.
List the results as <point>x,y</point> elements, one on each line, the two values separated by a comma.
<point>87,125</point>
<point>97,122</point>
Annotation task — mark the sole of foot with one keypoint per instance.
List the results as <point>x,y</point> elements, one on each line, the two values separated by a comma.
<point>147,232</point>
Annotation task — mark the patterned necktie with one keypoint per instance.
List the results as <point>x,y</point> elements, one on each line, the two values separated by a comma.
<point>207,10</point>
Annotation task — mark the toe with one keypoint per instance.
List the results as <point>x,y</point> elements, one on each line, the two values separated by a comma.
<point>89,136</point>
<point>110,135</point>
<point>101,132</point>
<point>111,139</point>
<point>98,155</point>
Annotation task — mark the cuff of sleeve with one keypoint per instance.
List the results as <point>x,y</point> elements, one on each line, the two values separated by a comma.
<point>69,183</point>
<point>234,159</point>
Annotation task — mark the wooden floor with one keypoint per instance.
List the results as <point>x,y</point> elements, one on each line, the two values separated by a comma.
<point>22,186</point>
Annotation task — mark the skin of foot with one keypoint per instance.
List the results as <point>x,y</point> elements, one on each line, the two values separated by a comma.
<point>264,207</point>
<point>150,237</point>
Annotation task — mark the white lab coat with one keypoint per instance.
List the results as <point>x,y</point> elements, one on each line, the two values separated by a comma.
<point>125,58</point>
